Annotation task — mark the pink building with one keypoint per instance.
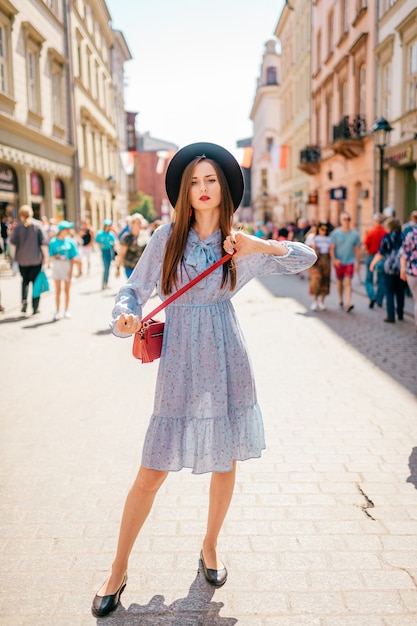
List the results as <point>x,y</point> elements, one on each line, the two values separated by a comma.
<point>341,157</point>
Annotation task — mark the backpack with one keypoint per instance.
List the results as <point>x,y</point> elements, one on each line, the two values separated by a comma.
<point>392,261</point>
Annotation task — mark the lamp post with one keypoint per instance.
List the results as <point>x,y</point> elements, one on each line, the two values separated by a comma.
<point>380,133</point>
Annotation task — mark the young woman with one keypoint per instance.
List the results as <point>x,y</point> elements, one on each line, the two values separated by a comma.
<point>320,272</point>
<point>62,251</point>
<point>206,415</point>
<point>30,242</point>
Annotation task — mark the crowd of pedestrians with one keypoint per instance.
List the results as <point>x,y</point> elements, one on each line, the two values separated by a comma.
<point>388,251</point>
<point>388,248</point>
<point>30,245</point>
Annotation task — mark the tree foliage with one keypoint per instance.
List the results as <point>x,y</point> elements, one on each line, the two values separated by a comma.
<point>144,206</point>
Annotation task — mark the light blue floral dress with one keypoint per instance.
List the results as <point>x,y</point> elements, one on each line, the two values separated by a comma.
<point>205,413</point>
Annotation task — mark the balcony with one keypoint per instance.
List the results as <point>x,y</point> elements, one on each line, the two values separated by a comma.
<point>310,159</point>
<point>348,136</point>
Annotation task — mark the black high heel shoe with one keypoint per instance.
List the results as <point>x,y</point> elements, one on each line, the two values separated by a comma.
<point>103,605</point>
<point>216,577</point>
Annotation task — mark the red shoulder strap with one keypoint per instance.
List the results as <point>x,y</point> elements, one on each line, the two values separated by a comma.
<point>185,288</point>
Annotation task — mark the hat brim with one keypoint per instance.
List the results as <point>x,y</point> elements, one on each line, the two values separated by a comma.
<point>223,157</point>
<point>65,225</point>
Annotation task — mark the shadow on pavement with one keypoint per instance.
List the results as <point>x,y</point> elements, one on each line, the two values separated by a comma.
<point>412,464</point>
<point>391,348</point>
<point>196,608</point>
<point>12,320</point>
<point>39,324</point>
<point>107,331</point>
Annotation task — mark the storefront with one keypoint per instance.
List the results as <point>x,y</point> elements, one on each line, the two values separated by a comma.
<point>9,192</point>
<point>402,179</point>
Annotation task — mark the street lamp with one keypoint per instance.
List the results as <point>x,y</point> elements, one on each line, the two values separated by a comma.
<point>380,133</point>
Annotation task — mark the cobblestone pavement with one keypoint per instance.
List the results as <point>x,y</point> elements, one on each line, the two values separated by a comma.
<point>322,529</point>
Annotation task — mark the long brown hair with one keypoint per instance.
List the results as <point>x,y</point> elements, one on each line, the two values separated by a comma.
<point>184,219</point>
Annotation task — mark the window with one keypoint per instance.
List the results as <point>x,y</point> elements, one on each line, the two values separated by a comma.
<point>269,144</point>
<point>344,19</point>
<point>57,72</point>
<point>343,98</point>
<point>318,51</point>
<point>89,81</point>
<point>318,126</point>
<point>4,73</point>
<point>330,33</point>
<point>34,42</point>
<point>412,77</point>
<point>79,58</point>
<point>361,91</point>
<point>7,14</point>
<point>271,76</point>
<point>386,80</point>
<point>329,118</point>
<point>32,61</point>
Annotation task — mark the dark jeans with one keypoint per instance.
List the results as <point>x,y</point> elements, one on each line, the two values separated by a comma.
<point>378,294</point>
<point>28,274</point>
<point>107,256</point>
<point>394,291</point>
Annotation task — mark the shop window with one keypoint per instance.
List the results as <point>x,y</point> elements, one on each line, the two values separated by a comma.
<point>60,207</point>
<point>59,189</point>
<point>8,179</point>
<point>36,184</point>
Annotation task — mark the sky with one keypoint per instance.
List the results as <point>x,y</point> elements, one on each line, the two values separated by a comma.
<point>195,66</point>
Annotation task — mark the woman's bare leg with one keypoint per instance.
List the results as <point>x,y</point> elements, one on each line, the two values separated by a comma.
<point>137,507</point>
<point>57,294</point>
<point>221,492</point>
<point>67,293</point>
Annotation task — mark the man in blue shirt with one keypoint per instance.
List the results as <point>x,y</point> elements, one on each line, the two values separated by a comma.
<point>345,255</point>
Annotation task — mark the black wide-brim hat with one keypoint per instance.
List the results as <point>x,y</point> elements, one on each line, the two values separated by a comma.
<point>223,157</point>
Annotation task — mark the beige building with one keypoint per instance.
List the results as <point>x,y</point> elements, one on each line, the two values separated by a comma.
<point>36,152</point>
<point>265,118</point>
<point>396,54</point>
<point>62,118</point>
<point>96,119</point>
<point>293,32</point>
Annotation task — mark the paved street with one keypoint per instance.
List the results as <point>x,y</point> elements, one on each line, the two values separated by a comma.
<point>322,530</point>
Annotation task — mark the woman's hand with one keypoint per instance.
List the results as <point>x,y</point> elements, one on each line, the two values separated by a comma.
<point>128,324</point>
<point>244,244</point>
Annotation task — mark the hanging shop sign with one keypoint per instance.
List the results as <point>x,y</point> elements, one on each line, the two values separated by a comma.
<point>338,193</point>
<point>313,197</point>
<point>8,178</point>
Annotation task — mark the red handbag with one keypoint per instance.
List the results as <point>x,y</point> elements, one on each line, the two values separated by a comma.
<point>147,342</point>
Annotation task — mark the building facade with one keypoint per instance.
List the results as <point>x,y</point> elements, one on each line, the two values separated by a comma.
<point>396,55</point>
<point>95,116</point>
<point>342,158</point>
<point>36,143</point>
<point>293,31</point>
<point>62,119</point>
<point>151,160</point>
<point>265,118</point>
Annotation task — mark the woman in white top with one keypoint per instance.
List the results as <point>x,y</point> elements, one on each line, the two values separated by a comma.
<point>320,271</point>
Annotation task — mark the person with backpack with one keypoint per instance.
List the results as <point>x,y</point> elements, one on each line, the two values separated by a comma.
<point>390,253</point>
